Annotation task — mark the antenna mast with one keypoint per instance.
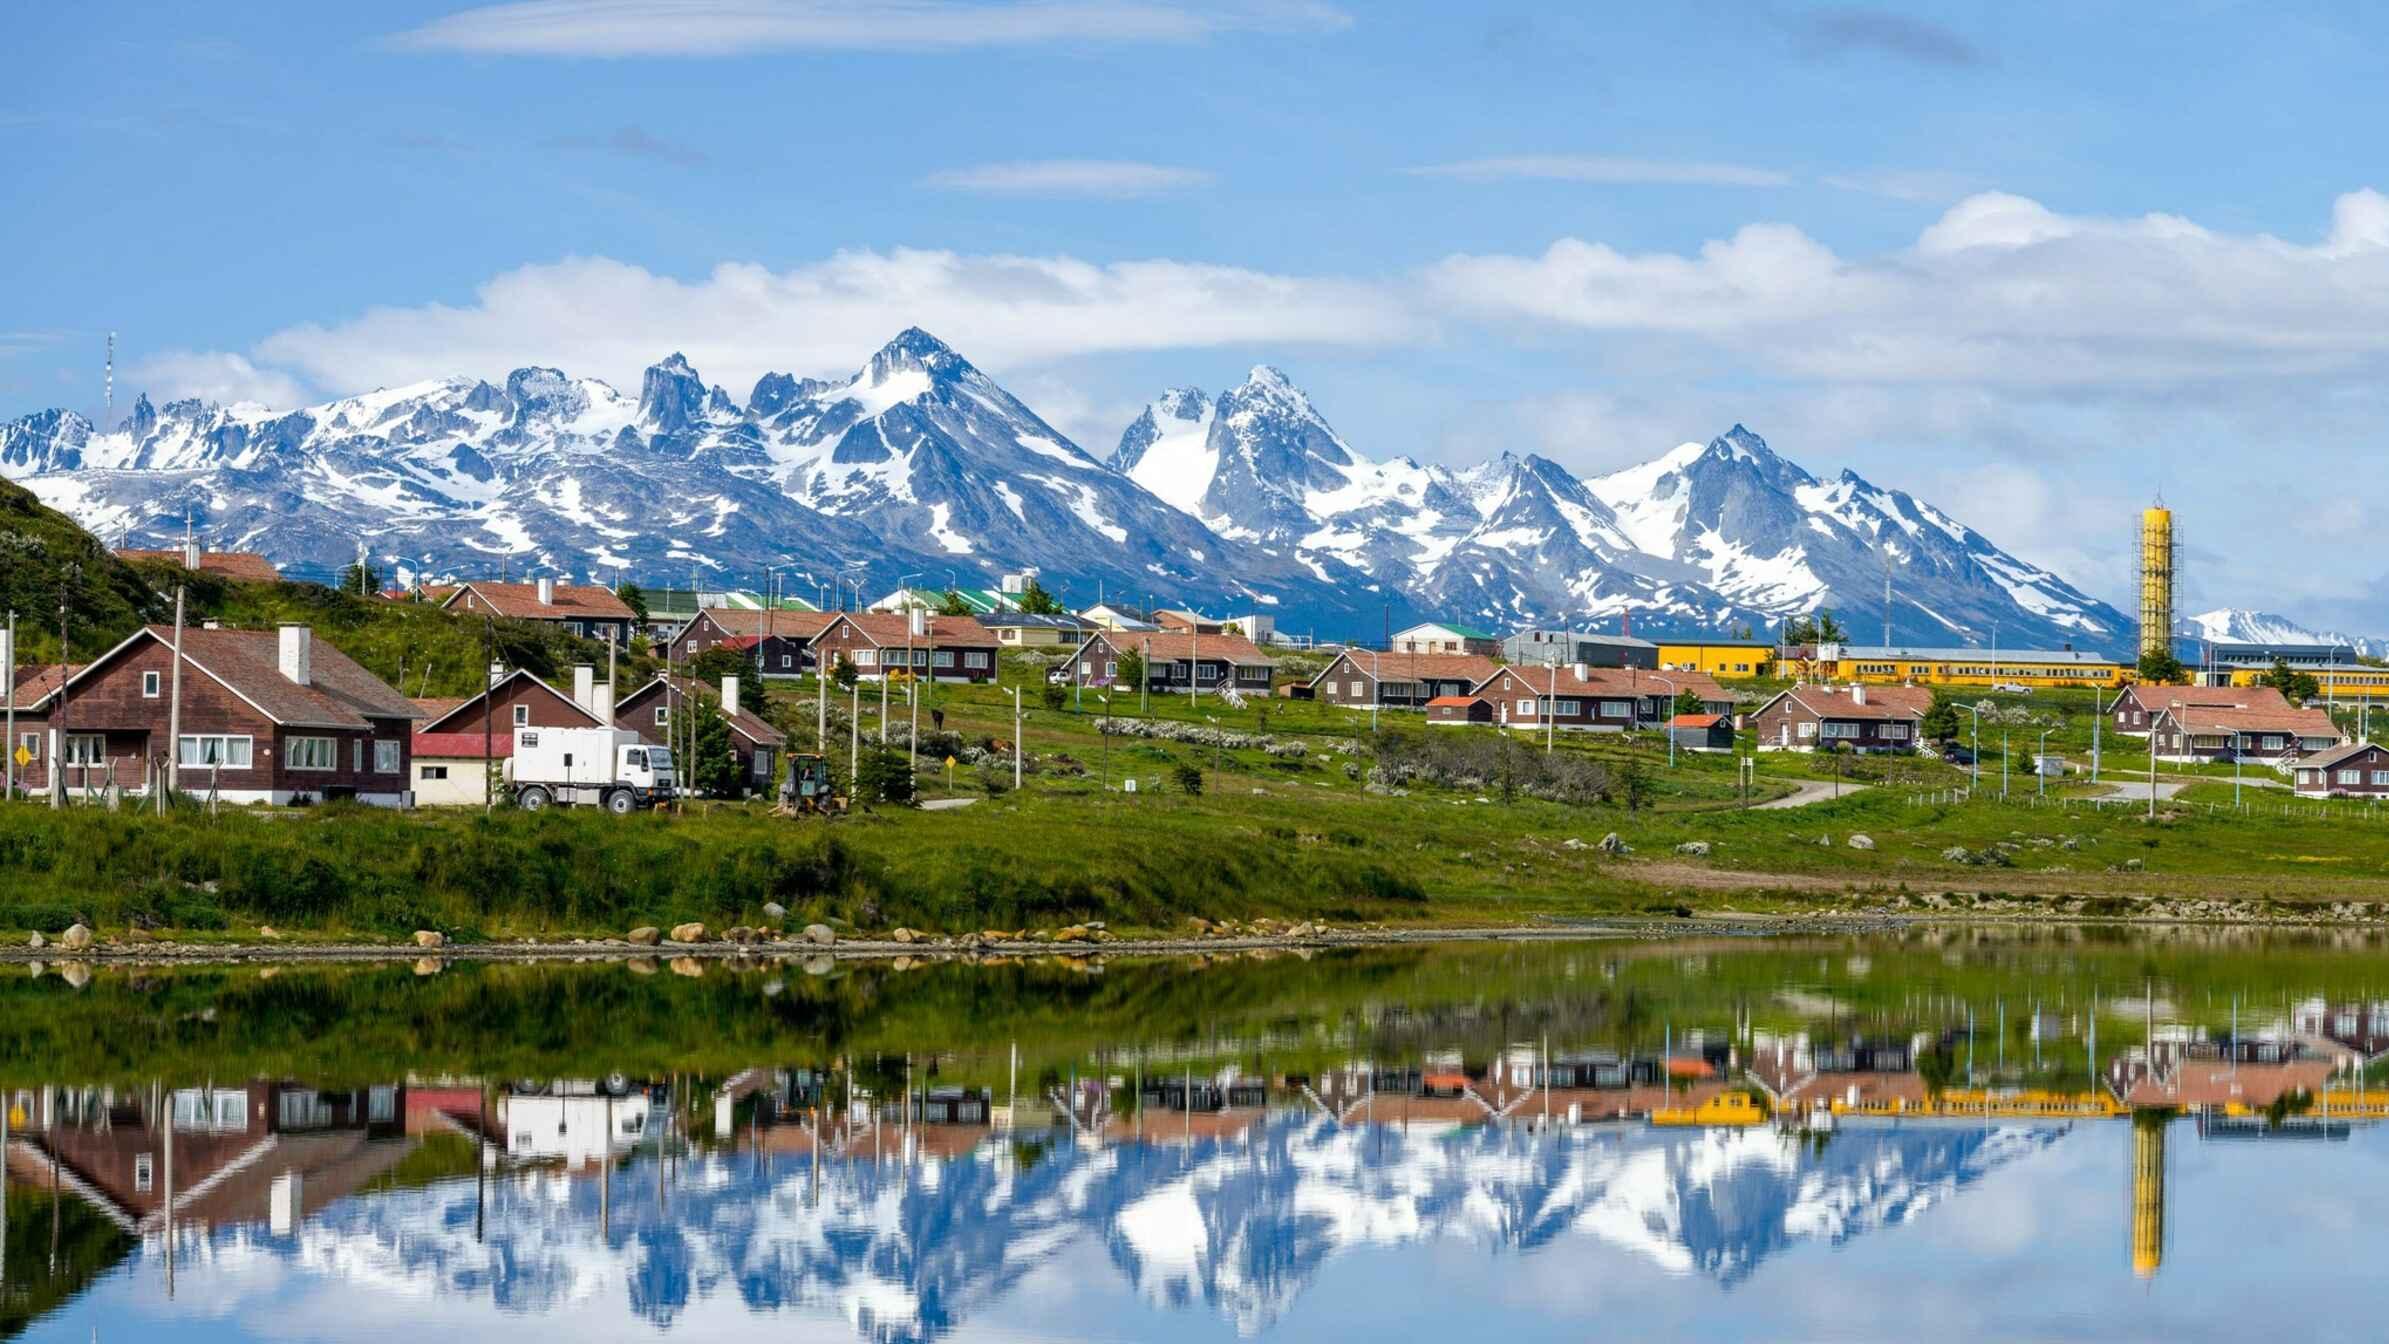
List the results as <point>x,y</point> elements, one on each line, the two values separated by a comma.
<point>108,387</point>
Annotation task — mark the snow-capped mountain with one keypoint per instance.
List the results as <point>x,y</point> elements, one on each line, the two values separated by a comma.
<point>1238,1228</point>
<point>920,464</point>
<point>2236,625</point>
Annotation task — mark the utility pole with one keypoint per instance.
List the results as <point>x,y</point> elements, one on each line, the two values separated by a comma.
<point>489,733</point>
<point>1016,722</point>
<point>58,737</point>
<point>8,687</point>
<point>173,776</point>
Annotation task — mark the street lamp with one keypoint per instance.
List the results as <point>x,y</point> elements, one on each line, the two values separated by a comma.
<point>1669,719</point>
<point>2040,763</point>
<point>1974,764</point>
<point>1376,690</point>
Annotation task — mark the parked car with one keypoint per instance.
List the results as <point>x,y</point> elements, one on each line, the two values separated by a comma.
<point>2012,688</point>
<point>1957,756</point>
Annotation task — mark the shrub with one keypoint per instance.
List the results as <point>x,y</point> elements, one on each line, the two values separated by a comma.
<point>1188,779</point>
<point>886,777</point>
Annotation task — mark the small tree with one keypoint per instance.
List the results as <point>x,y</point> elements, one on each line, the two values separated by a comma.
<point>951,604</point>
<point>886,777</point>
<point>1128,670</point>
<point>714,770</point>
<point>1689,702</point>
<point>1941,721</point>
<point>1188,778</point>
<point>2159,667</point>
<point>1829,630</point>
<point>1054,696</point>
<point>1634,784</point>
<point>1035,601</point>
<point>843,673</point>
<point>718,662</point>
<point>633,599</point>
<point>361,578</point>
<point>2295,686</point>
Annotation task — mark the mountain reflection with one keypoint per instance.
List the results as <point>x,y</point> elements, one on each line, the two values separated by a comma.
<point>1216,1183</point>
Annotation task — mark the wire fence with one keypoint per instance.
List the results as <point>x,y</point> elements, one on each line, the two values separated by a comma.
<point>2301,809</point>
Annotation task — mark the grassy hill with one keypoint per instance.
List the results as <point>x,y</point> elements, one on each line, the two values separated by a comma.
<point>44,555</point>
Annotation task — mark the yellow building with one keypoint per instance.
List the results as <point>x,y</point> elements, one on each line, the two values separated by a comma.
<point>1719,658</point>
<point>2035,668</point>
<point>2355,679</point>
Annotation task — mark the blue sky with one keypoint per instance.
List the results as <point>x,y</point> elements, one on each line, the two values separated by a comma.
<point>2027,261</point>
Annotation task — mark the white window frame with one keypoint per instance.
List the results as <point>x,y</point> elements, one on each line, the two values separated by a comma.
<point>663,715</point>
<point>1841,731</point>
<point>315,755</point>
<point>195,748</point>
<point>943,658</point>
<point>866,657</point>
<point>2351,776</point>
<point>1526,706</point>
<point>152,685</point>
<point>1895,732</point>
<point>1617,709</point>
<point>787,660</point>
<point>430,773</point>
<point>387,758</point>
<point>144,1173</point>
<point>2380,779</point>
<point>1808,729</point>
<point>1567,706</point>
<point>976,659</point>
<point>356,756</point>
<point>85,750</point>
<point>32,744</point>
<point>522,716</point>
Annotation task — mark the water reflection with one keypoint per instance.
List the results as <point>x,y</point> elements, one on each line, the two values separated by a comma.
<point>1206,1186</point>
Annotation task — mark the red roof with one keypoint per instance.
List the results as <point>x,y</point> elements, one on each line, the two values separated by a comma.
<point>1472,668</point>
<point>37,684</point>
<point>1456,701</point>
<point>1172,645</point>
<point>573,601</point>
<point>741,623</point>
<point>891,628</point>
<point>467,745</point>
<point>1696,721</point>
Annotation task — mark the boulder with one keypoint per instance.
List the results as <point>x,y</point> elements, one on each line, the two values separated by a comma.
<point>268,931</point>
<point>429,965</point>
<point>1572,843</point>
<point>1862,842</point>
<point>640,965</point>
<point>742,935</point>
<point>74,973</point>
<point>820,965</point>
<point>1958,854</point>
<point>646,935</point>
<point>691,932</point>
<point>820,935</point>
<point>1698,849</point>
<point>1612,844</point>
<point>774,911</point>
<point>37,942</point>
<point>688,966</point>
<point>75,939</point>
<point>429,938</point>
<point>1076,933</point>
<point>905,935</point>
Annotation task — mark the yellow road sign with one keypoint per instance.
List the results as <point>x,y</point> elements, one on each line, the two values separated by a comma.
<point>24,757</point>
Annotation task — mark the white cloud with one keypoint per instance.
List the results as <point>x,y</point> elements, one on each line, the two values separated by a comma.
<point>1604,169</point>
<point>216,376</point>
<point>1069,177</point>
<point>635,28</point>
<point>612,319</point>
<point>2000,290</point>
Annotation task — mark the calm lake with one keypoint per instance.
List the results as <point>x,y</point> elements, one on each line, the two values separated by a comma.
<point>1942,1134</point>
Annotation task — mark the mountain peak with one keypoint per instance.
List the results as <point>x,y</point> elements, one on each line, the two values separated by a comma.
<point>672,397</point>
<point>1269,375</point>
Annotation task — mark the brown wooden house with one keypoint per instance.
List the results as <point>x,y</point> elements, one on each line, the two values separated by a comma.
<point>2136,707</point>
<point>1849,718</point>
<point>457,739</point>
<point>1363,678</point>
<point>244,566</point>
<point>268,716</point>
<point>786,636</point>
<point>943,648</point>
<point>588,610</point>
<point>1175,661</point>
<point>1601,699</point>
<point>2277,737</point>
<point>649,711</point>
<point>1459,710</point>
<point>2358,770</point>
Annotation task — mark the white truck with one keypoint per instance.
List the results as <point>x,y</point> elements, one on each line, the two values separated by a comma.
<point>588,767</point>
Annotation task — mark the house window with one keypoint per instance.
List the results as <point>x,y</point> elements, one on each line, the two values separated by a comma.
<point>356,755</point>
<point>144,1172</point>
<point>945,658</point>
<point>1808,730</point>
<point>787,661</point>
<point>866,657</point>
<point>86,749</point>
<point>575,627</point>
<point>311,753</point>
<point>2272,743</point>
<point>1841,730</point>
<point>430,773</point>
<point>2380,779</point>
<point>1571,707</point>
<point>1896,732</point>
<point>149,685</point>
<point>31,742</point>
<point>663,715</point>
<point>228,753</point>
<point>2351,776</point>
<point>1526,707</point>
<point>1358,688</point>
<point>977,660</point>
<point>1617,709</point>
<point>385,758</point>
<point>1085,668</point>
<point>522,716</point>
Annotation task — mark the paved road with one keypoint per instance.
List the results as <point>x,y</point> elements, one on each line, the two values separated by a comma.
<point>2136,790</point>
<point>946,804</point>
<point>1809,791</point>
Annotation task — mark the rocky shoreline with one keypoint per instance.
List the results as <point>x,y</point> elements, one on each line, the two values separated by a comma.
<point>689,945</point>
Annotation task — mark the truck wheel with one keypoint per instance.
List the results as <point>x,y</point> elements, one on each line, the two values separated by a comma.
<point>620,803</point>
<point>535,799</point>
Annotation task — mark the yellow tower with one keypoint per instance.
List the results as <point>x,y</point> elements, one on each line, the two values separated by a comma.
<point>2156,579</point>
<point>2148,1192</point>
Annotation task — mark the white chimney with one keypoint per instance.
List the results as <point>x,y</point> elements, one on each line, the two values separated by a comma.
<point>1857,692</point>
<point>730,697</point>
<point>298,655</point>
<point>497,673</point>
<point>584,684</point>
<point>917,621</point>
<point>1582,671</point>
<point>601,703</point>
<point>547,591</point>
